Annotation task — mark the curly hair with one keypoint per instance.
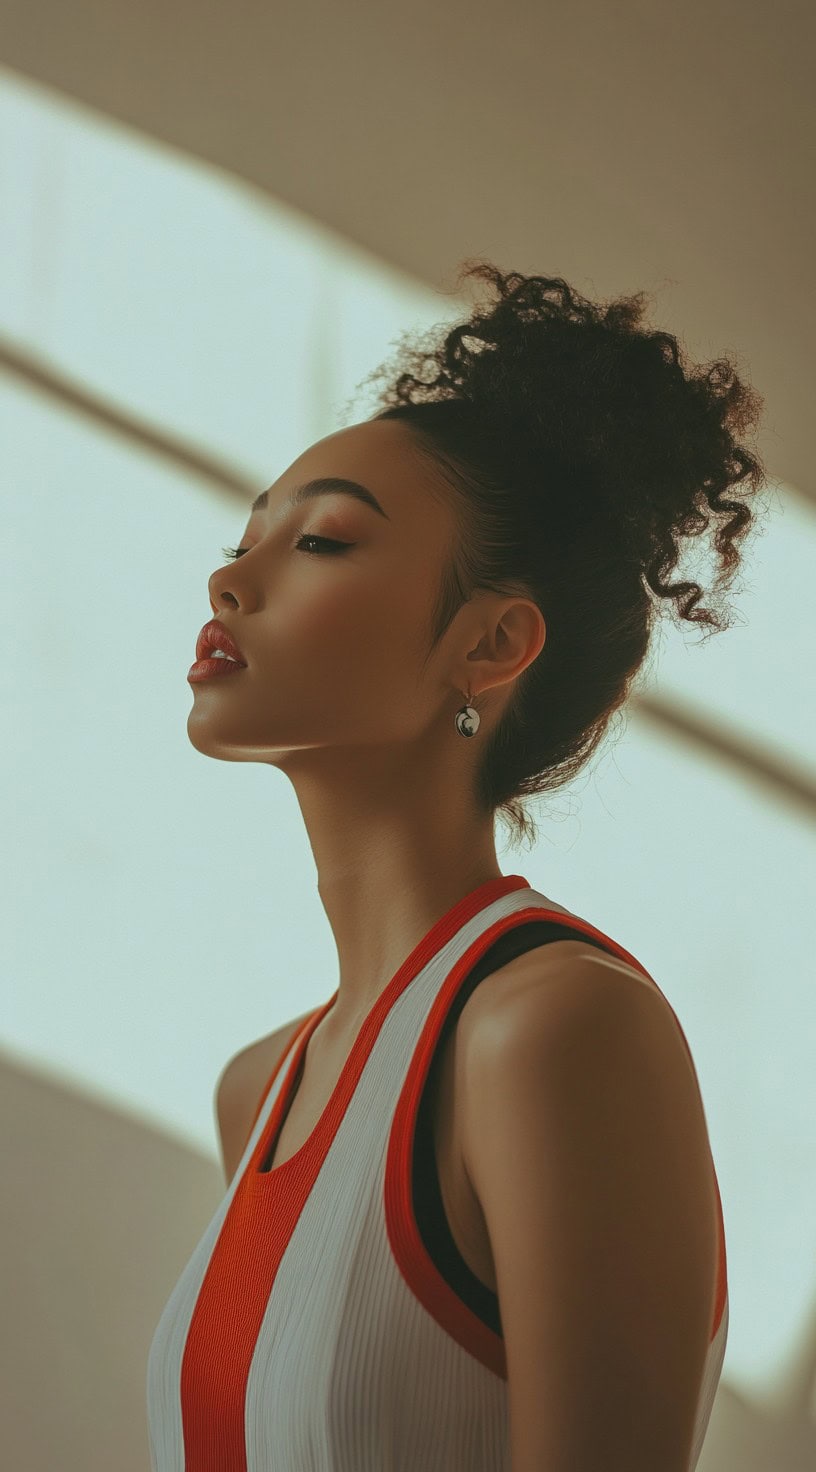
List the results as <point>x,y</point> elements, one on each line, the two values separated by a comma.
<point>579,449</point>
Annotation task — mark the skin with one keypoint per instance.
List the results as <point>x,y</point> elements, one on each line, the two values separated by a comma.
<point>339,694</point>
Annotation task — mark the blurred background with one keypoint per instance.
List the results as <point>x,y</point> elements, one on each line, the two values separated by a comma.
<point>214,223</point>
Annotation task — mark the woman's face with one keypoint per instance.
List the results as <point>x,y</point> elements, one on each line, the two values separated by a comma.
<point>335,638</point>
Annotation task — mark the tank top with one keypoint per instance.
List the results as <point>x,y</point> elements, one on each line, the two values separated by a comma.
<point>326,1321</point>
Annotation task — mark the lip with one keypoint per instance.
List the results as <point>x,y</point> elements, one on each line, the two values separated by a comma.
<point>213,669</point>
<point>215,636</point>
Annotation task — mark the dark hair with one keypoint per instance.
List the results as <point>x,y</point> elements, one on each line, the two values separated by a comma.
<point>579,448</point>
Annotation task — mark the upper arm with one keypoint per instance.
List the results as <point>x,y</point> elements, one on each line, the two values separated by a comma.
<point>239,1089</point>
<point>585,1139</point>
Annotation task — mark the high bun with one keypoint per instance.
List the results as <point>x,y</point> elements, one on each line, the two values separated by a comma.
<point>580,449</point>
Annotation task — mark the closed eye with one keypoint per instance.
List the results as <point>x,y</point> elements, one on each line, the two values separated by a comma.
<point>329,542</point>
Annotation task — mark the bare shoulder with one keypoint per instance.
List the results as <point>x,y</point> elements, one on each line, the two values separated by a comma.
<point>248,1070</point>
<point>543,999</point>
<point>560,987</point>
<point>545,970</point>
<point>519,998</point>
<point>241,1084</point>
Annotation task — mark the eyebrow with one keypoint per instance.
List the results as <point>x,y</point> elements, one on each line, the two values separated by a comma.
<point>327,485</point>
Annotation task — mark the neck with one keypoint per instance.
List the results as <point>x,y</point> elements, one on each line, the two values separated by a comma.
<point>388,869</point>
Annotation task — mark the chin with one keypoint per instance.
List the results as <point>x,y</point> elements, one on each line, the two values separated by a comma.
<point>202,737</point>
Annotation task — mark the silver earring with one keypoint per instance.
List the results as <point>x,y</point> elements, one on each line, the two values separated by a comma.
<point>467,719</point>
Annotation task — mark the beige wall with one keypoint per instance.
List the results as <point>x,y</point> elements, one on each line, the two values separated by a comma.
<point>99,1215</point>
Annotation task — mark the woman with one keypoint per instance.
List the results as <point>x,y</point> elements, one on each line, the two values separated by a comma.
<point>472,1220</point>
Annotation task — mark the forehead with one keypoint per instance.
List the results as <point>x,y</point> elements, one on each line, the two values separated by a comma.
<point>383,455</point>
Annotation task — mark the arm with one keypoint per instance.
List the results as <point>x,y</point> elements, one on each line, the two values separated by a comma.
<point>585,1140</point>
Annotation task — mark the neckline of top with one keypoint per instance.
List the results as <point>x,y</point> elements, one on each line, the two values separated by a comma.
<point>441,931</point>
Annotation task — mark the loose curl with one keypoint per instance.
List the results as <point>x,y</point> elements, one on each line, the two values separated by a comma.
<point>579,448</point>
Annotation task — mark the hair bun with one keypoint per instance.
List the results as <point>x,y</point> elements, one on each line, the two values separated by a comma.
<point>582,450</point>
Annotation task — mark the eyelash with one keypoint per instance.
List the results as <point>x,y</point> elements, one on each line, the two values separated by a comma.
<point>233,552</point>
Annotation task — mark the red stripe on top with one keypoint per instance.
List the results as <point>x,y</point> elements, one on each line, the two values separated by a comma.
<point>261,1217</point>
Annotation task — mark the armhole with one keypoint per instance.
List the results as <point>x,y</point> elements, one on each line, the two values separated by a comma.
<point>429,1210</point>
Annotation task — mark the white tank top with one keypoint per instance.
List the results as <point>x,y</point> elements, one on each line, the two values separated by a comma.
<point>324,1323</point>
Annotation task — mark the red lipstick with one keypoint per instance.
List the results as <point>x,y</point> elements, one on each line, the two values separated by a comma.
<point>207,664</point>
<point>204,669</point>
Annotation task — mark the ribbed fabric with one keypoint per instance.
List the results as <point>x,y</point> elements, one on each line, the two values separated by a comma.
<point>315,1327</point>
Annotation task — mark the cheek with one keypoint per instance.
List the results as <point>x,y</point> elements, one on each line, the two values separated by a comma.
<point>360,629</point>
<point>327,624</point>
<point>378,611</point>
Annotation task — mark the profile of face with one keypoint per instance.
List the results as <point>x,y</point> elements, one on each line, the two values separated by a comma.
<point>330,604</point>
